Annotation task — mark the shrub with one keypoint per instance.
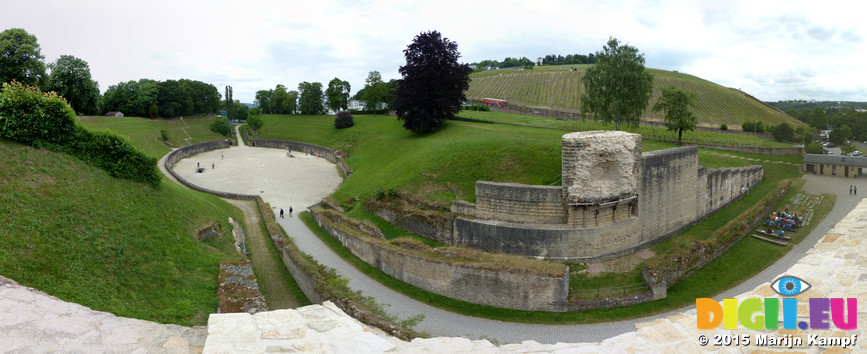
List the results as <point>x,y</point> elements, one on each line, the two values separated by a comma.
<point>479,107</point>
<point>255,122</point>
<point>31,117</point>
<point>343,120</point>
<point>814,148</point>
<point>164,135</point>
<point>723,127</point>
<point>221,126</point>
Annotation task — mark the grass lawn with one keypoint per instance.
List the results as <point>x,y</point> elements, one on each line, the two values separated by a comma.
<point>113,245</point>
<point>656,133</point>
<point>145,133</point>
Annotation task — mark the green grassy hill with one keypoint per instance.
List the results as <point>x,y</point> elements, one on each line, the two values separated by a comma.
<point>145,133</point>
<point>557,88</point>
<point>71,230</point>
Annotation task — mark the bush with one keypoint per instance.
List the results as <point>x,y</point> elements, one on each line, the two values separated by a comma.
<point>343,120</point>
<point>814,148</point>
<point>478,107</point>
<point>784,132</point>
<point>164,135</point>
<point>723,127</point>
<point>255,122</point>
<point>31,117</point>
<point>221,126</point>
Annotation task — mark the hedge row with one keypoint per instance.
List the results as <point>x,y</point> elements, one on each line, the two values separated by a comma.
<point>38,119</point>
<point>677,264</point>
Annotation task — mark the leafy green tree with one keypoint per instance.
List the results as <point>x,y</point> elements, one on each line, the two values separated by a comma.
<point>617,86</point>
<point>338,94</point>
<point>374,91</point>
<point>291,103</point>
<point>221,126</point>
<point>310,99</point>
<point>263,100</point>
<point>676,104</point>
<point>70,78</point>
<point>278,100</point>
<point>205,97</point>
<point>814,148</point>
<point>839,135</point>
<point>847,148</point>
<point>132,97</point>
<point>784,132</point>
<point>255,122</point>
<point>433,84</point>
<point>173,100</point>
<point>153,111</point>
<point>228,97</point>
<point>21,58</point>
<point>818,119</point>
<point>239,111</point>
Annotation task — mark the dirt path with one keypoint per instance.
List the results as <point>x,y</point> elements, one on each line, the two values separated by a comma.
<point>270,271</point>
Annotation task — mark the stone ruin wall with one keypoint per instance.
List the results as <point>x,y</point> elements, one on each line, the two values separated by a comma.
<point>673,191</point>
<point>519,203</point>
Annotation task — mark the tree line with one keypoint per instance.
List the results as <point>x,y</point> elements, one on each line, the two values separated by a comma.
<point>550,59</point>
<point>21,61</point>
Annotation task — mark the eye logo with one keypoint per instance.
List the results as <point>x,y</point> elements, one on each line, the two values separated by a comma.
<point>790,285</point>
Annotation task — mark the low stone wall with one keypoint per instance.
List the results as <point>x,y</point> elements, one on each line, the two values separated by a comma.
<point>431,224</point>
<point>185,151</point>
<point>513,202</point>
<point>726,185</point>
<point>523,291</point>
<point>325,152</point>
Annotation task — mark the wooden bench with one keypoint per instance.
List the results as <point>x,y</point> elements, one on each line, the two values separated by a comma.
<point>778,243</point>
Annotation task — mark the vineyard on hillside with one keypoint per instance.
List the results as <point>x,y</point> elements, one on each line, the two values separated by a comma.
<point>559,87</point>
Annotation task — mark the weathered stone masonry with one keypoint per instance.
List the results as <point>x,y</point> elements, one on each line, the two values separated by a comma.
<point>614,200</point>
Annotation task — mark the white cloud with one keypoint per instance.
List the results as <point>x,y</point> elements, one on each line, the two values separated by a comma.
<point>772,50</point>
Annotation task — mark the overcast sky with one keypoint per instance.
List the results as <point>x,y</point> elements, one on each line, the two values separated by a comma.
<point>772,50</point>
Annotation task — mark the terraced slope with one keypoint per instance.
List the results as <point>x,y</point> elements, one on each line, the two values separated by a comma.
<point>558,88</point>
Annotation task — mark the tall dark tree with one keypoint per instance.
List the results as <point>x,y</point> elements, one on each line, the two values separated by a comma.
<point>70,78</point>
<point>676,104</point>
<point>338,94</point>
<point>21,58</point>
<point>433,83</point>
<point>310,99</point>
<point>229,101</point>
<point>133,98</point>
<point>617,87</point>
<point>173,100</point>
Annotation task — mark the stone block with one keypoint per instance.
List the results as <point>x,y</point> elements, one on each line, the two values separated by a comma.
<point>600,166</point>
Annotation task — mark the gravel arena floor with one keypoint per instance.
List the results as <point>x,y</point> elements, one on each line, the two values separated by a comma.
<point>299,181</point>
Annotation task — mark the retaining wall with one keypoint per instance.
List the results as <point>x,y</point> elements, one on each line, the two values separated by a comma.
<point>325,152</point>
<point>521,203</point>
<point>185,151</point>
<point>503,289</point>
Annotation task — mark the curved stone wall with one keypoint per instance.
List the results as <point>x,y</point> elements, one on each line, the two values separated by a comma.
<point>185,151</point>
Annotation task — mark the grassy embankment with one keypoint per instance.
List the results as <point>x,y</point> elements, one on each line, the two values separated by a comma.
<point>113,245</point>
<point>648,132</point>
<point>145,133</point>
<point>557,88</point>
<point>444,166</point>
<point>277,285</point>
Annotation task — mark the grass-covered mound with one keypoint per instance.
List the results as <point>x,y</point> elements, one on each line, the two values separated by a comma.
<point>114,245</point>
<point>557,88</point>
<point>146,133</point>
<point>438,167</point>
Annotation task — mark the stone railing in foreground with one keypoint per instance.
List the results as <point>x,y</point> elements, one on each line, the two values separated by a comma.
<point>481,278</point>
<point>836,267</point>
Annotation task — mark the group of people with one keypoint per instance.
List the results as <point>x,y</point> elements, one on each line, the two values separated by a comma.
<point>853,188</point>
<point>281,212</point>
<point>783,221</point>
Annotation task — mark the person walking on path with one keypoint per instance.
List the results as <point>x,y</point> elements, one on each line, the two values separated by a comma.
<point>212,166</point>
<point>290,212</point>
<point>787,208</point>
<point>856,190</point>
<point>281,213</point>
<point>850,189</point>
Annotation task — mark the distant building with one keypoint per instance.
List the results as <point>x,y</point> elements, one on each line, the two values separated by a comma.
<point>356,105</point>
<point>832,165</point>
<point>114,114</point>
